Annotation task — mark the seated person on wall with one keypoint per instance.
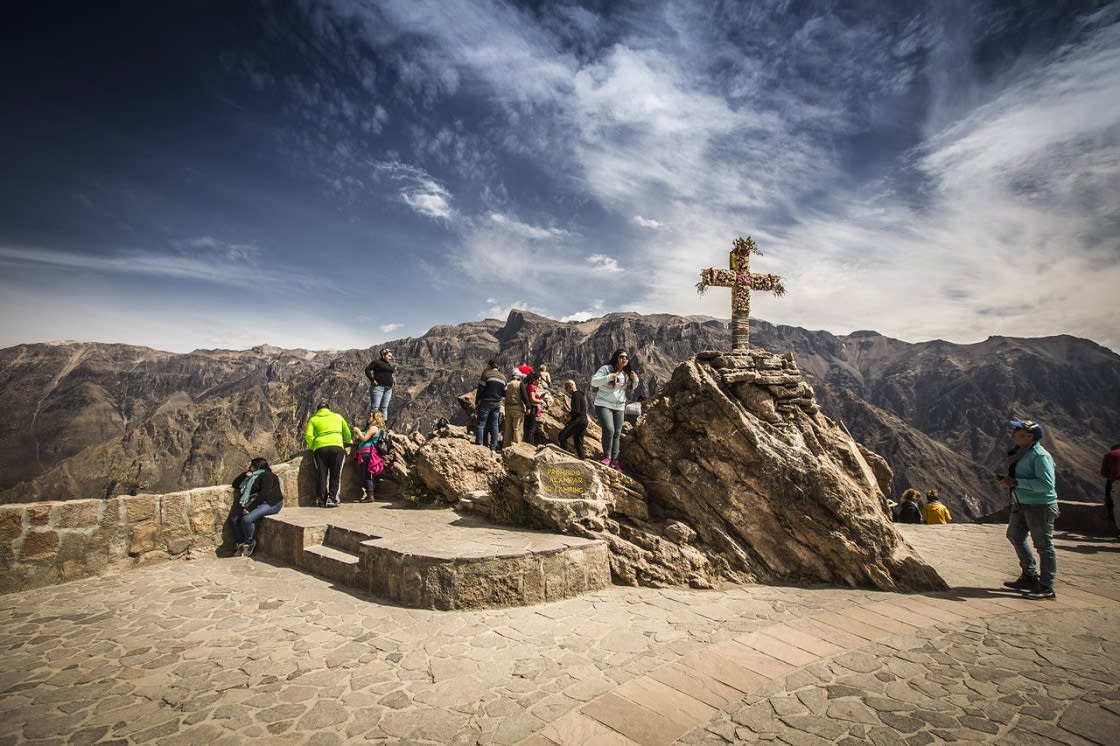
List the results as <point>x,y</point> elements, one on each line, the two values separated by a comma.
<point>909,511</point>
<point>935,512</point>
<point>256,493</point>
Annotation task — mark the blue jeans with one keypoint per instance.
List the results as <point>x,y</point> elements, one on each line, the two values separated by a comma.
<point>489,415</point>
<point>611,421</point>
<point>1037,522</point>
<point>244,525</point>
<point>379,397</point>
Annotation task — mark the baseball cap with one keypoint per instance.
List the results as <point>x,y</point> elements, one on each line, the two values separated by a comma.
<point>1030,426</point>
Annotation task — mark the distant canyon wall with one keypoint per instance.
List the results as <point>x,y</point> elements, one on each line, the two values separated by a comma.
<point>88,421</point>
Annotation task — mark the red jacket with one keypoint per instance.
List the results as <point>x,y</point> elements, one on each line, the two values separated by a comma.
<point>1110,467</point>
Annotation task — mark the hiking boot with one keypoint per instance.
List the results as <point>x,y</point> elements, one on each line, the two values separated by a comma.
<point>1040,593</point>
<point>1023,583</point>
<point>249,548</point>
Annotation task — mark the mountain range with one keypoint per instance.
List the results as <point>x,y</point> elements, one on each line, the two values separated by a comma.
<point>94,420</point>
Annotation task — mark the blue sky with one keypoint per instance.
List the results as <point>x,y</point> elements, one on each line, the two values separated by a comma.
<point>333,174</point>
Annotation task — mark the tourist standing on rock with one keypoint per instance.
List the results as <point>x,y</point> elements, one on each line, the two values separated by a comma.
<point>380,375</point>
<point>615,381</point>
<point>370,463</point>
<point>488,403</point>
<point>1110,470</point>
<point>515,410</point>
<point>935,513</point>
<point>532,400</point>
<point>577,419</point>
<point>327,435</point>
<point>1034,508</point>
<point>544,384</point>
<point>256,493</point>
<point>909,511</point>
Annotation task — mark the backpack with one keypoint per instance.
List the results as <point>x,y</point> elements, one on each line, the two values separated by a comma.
<point>384,443</point>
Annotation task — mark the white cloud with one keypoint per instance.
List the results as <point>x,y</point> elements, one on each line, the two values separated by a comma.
<point>498,310</point>
<point>604,263</point>
<point>596,310</point>
<point>430,199</point>
<point>526,230</point>
<point>648,222</point>
<point>390,328</point>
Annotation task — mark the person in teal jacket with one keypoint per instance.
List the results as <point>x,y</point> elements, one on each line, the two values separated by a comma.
<point>327,436</point>
<point>1034,508</point>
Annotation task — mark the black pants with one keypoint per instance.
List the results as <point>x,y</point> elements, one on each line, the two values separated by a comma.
<point>328,462</point>
<point>531,427</point>
<point>1108,506</point>
<point>576,428</point>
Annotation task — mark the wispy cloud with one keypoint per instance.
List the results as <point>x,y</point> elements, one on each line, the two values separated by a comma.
<point>390,328</point>
<point>201,259</point>
<point>417,189</point>
<point>648,222</point>
<point>526,230</point>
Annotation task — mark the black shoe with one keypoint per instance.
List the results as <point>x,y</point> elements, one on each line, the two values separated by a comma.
<point>1040,593</point>
<point>248,551</point>
<point>1024,583</point>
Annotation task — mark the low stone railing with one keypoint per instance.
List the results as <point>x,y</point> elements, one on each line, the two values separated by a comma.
<point>45,543</point>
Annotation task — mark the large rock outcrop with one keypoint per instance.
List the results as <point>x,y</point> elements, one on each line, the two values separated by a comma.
<point>736,447</point>
<point>733,474</point>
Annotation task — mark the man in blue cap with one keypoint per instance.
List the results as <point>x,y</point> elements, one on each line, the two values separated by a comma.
<point>1034,507</point>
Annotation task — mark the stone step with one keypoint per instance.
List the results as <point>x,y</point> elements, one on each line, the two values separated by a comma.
<point>347,539</point>
<point>334,564</point>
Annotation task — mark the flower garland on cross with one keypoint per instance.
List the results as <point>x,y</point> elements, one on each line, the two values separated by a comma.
<point>741,281</point>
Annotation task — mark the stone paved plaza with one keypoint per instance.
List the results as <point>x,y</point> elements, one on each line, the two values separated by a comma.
<point>228,651</point>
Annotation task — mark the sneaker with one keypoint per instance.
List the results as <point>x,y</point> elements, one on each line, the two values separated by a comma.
<point>249,548</point>
<point>320,504</point>
<point>616,465</point>
<point>606,461</point>
<point>239,550</point>
<point>1040,593</point>
<point>366,498</point>
<point>1023,583</point>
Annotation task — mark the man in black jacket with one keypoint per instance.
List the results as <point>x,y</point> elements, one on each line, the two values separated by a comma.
<point>577,419</point>
<point>488,400</point>
<point>380,375</point>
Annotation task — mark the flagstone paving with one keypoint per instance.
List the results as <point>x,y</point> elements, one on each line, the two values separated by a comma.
<point>239,650</point>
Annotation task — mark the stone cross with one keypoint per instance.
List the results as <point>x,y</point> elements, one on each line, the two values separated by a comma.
<point>741,281</point>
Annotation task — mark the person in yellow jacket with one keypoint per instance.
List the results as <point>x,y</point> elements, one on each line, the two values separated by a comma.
<point>327,436</point>
<point>935,512</point>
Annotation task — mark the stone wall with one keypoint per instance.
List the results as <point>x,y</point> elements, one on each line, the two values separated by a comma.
<point>52,542</point>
